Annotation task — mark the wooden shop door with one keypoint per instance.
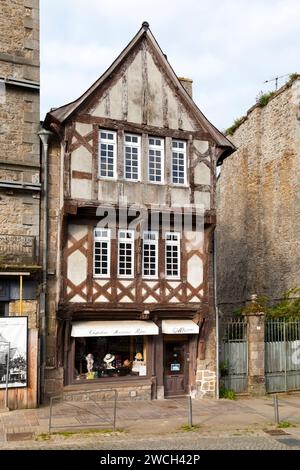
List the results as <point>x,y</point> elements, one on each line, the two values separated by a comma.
<point>175,367</point>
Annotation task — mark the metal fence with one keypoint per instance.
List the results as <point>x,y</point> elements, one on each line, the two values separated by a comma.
<point>234,355</point>
<point>282,355</point>
<point>84,409</point>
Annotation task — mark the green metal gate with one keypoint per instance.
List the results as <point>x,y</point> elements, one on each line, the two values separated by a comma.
<point>282,355</point>
<point>234,355</point>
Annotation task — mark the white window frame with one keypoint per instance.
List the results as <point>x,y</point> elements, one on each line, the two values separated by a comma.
<point>173,243</point>
<point>150,242</point>
<point>155,147</point>
<point>102,238</point>
<point>112,142</point>
<point>136,145</point>
<point>180,150</point>
<point>131,241</point>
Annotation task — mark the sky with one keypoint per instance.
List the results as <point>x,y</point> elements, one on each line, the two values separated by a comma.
<point>229,48</point>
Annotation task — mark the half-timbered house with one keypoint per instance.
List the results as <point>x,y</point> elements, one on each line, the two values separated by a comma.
<point>132,188</point>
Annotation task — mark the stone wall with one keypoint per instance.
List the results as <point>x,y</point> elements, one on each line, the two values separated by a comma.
<point>258,228</point>
<point>125,392</point>
<point>19,116</point>
<point>29,309</point>
<point>206,368</point>
<point>53,252</point>
<point>20,163</point>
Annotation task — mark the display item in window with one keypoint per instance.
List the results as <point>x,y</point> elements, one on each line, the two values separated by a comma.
<point>89,362</point>
<point>108,360</point>
<point>139,366</point>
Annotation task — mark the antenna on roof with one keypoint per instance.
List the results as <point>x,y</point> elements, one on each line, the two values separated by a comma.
<point>276,80</point>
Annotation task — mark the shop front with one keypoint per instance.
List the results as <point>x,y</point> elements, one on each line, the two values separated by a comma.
<point>135,357</point>
<point>109,350</point>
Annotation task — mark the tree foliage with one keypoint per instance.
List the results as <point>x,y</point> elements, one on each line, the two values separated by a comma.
<point>287,308</point>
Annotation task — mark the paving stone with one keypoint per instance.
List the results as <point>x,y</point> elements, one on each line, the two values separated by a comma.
<point>19,436</point>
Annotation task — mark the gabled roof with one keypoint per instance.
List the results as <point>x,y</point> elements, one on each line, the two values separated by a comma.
<point>61,114</point>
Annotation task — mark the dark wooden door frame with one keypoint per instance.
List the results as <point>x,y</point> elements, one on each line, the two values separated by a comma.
<point>184,340</point>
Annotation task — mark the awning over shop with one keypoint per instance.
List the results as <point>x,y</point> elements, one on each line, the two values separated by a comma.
<point>179,327</point>
<point>114,328</point>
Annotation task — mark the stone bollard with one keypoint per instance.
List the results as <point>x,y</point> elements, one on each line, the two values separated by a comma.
<point>256,353</point>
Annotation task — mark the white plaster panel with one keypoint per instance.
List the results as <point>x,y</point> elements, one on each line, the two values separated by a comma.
<point>115,98</point>
<point>78,299</point>
<point>133,192</point>
<point>187,123</point>
<point>202,199</point>
<point>99,109</point>
<point>77,267</point>
<point>125,299</point>
<point>174,300</point>
<point>101,282</point>
<point>194,240</point>
<point>150,300</point>
<point>172,109</point>
<point>155,116</point>
<point>202,174</point>
<point>151,284</point>
<point>125,283</point>
<point>173,285</point>
<point>195,271</point>
<point>81,189</point>
<point>108,191</point>
<point>135,86</point>
<point>154,194</point>
<point>180,196</point>
<point>102,299</point>
<point>81,160</point>
<point>77,231</point>
<point>83,129</point>
<point>201,145</point>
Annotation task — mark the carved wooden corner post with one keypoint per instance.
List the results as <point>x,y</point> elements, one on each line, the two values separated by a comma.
<point>256,349</point>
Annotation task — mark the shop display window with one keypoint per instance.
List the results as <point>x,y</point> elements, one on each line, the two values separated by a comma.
<point>116,356</point>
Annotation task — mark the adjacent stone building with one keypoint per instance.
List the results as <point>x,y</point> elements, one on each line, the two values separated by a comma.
<point>130,298</point>
<point>20,177</point>
<point>258,203</point>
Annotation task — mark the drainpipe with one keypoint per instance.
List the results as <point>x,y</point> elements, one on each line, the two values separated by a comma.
<point>44,136</point>
<point>217,313</point>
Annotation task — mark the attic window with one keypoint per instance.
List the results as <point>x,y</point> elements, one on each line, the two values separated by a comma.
<point>107,154</point>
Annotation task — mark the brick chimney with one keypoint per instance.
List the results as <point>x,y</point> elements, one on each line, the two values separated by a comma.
<point>187,84</point>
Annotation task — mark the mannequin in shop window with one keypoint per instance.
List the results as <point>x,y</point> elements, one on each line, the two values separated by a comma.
<point>89,362</point>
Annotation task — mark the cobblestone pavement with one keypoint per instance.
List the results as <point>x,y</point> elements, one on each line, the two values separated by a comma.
<point>186,441</point>
<point>223,424</point>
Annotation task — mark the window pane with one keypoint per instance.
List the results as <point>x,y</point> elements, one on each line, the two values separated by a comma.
<point>101,255</point>
<point>178,163</point>
<point>107,154</point>
<point>172,254</point>
<point>131,160</point>
<point>126,253</point>
<point>150,254</point>
<point>155,161</point>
